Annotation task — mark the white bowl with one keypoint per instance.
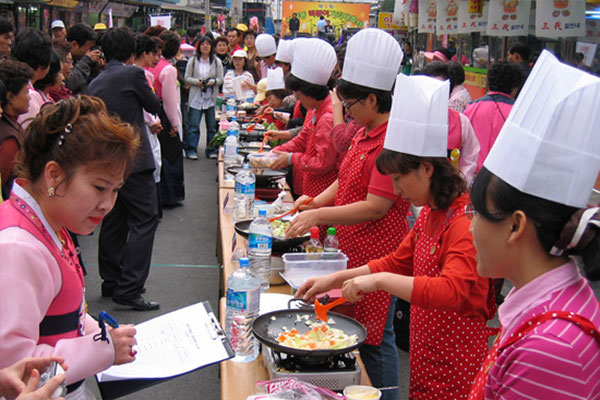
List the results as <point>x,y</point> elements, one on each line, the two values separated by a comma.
<point>361,392</point>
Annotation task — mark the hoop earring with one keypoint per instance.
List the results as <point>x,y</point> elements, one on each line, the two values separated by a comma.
<point>51,191</point>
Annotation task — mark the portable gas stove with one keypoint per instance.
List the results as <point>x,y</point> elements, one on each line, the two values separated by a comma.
<point>334,373</point>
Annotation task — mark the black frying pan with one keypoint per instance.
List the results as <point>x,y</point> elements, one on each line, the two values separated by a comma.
<point>265,176</point>
<point>245,150</point>
<point>280,245</point>
<point>267,330</point>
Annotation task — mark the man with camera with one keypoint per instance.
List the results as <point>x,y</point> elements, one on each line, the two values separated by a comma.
<point>86,58</point>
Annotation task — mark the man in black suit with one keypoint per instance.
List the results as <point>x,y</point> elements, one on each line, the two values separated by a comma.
<point>127,232</point>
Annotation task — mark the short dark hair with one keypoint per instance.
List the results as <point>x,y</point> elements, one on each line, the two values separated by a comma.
<point>521,49</point>
<point>15,74</point>
<point>349,90</point>
<point>456,73</point>
<point>118,44</point>
<point>6,26</point>
<point>321,17</point>
<point>3,92</point>
<point>144,44</point>
<point>279,93</point>
<point>437,69</point>
<point>32,47</point>
<point>221,39</point>
<point>249,32</point>
<point>62,47</point>
<point>81,34</point>
<point>548,217</point>
<point>232,29</point>
<point>155,30</point>
<point>203,39</point>
<point>447,182</point>
<point>504,76</point>
<point>317,92</point>
<point>50,78</point>
<point>171,47</point>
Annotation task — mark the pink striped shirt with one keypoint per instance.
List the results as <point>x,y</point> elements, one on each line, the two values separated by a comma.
<point>557,360</point>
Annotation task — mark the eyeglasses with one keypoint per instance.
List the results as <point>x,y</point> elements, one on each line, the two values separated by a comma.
<point>348,106</point>
<point>470,212</point>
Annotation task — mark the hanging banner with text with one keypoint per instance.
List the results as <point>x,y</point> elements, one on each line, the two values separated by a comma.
<point>341,15</point>
<point>508,17</point>
<point>386,22</point>
<point>447,17</point>
<point>471,22</point>
<point>399,14</point>
<point>560,18</point>
<point>427,16</point>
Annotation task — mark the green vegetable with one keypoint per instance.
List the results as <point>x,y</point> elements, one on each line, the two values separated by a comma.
<point>218,139</point>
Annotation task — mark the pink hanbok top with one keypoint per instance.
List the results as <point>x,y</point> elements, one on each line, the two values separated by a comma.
<point>36,100</point>
<point>557,360</point>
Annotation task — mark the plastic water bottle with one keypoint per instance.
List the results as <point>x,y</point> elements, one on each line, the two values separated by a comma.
<point>230,107</point>
<point>231,149</point>
<point>331,243</point>
<point>259,248</point>
<point>314,245</point>
<point>243,304</point>
<point>234,128</point>
<point>243,201</point>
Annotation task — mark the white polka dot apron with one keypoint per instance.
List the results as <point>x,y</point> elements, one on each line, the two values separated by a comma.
<point>446,348</point>
<point>371,239</point>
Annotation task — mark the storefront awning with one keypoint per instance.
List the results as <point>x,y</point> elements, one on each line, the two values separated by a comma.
<point>177,7</point>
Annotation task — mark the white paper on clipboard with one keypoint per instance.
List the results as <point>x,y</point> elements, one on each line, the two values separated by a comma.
<point>173,344</point>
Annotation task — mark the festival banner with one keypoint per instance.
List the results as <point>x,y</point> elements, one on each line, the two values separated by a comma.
<point>427,16</point>
<point>592,31</point>
<point>471,22</point>
<point>447,17</point>
<point>386,22</point>
<point>508,17</point>
<point>162,20</point>
<point>560,18</point>
<point>341,15</point>
<point>400,11</point>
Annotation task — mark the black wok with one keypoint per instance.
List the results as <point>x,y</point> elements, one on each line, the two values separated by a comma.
<point>245,150</point>
<point>264,176</point>
<point>267,330</point>
<point>280,245</point>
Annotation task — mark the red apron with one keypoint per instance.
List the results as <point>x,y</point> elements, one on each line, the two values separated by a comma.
<point>478,389</point>
<point>371,239</point>
<point>314,183</point>
<point>446,348</point>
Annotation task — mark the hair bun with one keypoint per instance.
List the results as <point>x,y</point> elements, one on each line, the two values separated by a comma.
<point>578,232</point>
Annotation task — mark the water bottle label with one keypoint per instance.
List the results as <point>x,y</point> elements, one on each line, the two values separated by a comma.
<point>260,242</point>
<point>248,188</point>
<point>231,150</point>
<point>243,300</point>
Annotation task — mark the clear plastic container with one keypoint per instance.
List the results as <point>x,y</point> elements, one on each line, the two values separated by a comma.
<point>243,305</point>
<point>298,267</point>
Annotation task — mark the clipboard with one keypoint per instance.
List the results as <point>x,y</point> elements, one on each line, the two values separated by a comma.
<point>204,333</point>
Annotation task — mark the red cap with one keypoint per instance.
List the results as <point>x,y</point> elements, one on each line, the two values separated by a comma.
<point>314,232</point>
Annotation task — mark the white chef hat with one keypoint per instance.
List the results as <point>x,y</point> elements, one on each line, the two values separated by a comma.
<point>372,59</point>
<point>275,79</point>
<point>549,145</point>
<point>284,52</point>
<point>418,123</point>
<point>265,45</point>
<point>314,60</point>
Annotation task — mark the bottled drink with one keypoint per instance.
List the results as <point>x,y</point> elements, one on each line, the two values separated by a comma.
<point>230,107</point>
<point>234,128</point>
<point>231,149</point>
<point>314,244</point>
<point>259,248</point>
<point>243,303</point>
<point>243,200</point>
<point>331,243</point>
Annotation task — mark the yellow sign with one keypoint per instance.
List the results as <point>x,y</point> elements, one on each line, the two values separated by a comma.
<point>386,22</point>
<point>63,3</point>
<point>476,79</point>
<point>341,15</point>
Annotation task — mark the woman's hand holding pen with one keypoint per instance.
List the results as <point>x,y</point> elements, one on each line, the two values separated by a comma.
<point>123,339</point>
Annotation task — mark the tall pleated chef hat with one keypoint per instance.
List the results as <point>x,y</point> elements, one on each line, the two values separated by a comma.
<point>265,45</point>
<point>549,145</point>
<point>275,79</point>
<point>372,59</point>
<point>284,52</point>
<point>418,123</point>
<point>314,60</point>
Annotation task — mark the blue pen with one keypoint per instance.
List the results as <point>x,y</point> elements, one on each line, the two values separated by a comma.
<point>108,319</point>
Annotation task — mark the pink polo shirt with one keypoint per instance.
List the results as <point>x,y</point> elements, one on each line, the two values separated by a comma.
<point>557,360</point>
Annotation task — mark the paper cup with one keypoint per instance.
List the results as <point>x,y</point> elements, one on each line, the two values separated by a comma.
<point>361,392</point>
